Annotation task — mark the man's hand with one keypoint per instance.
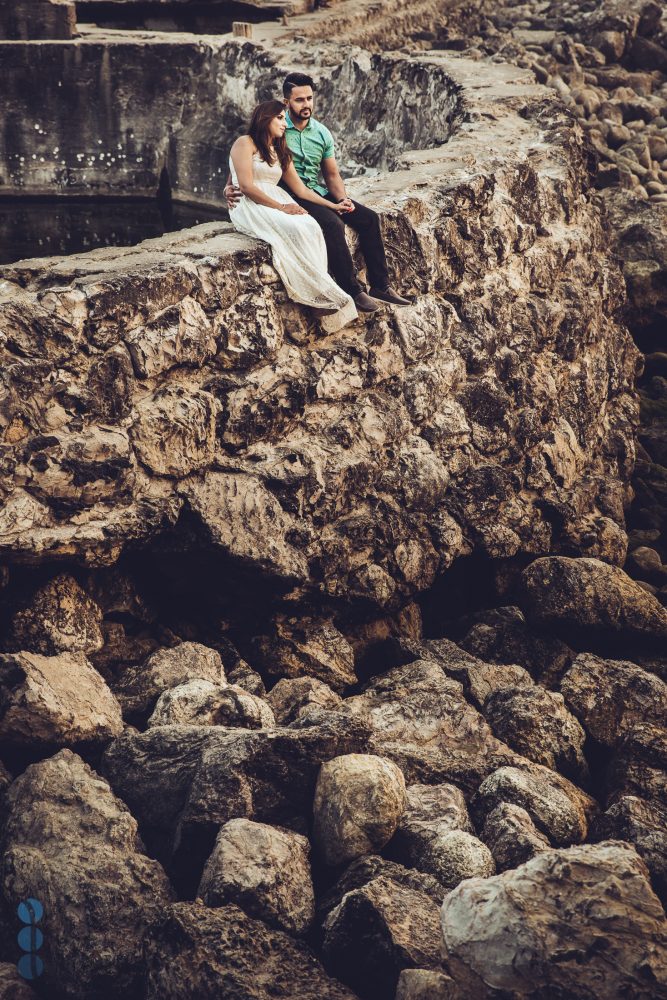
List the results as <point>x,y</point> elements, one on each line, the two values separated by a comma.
<point>345,205</point>
<point>232,195</point>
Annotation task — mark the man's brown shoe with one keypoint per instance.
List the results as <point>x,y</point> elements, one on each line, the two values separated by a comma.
<point>365,303</point>
<point>389,295</point>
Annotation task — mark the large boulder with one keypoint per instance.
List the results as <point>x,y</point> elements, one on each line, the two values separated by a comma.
<point>611,696</point>
<point>557,807</point>
<point>377,931</point>
<point>60,617</point>
<point>306,647</point>
<point>421,720</point>
<point>511,836</point>
<point>184,782</point>
<point>435,835</point>
<point>194,951</point>
<point>290,698</point>
<point>203,703</point>
<point>590,597</point>
<point>644,825</point>
<point>536,723</point>
<point>359,800</point>
<point>70,843</point>
<point>577,922</point>
<point>55,701</point>
<point>264,870</point>
<point>139,687</point>
<point>638,765</point>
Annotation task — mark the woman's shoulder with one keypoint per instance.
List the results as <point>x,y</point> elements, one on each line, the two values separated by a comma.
<point>244,142</point>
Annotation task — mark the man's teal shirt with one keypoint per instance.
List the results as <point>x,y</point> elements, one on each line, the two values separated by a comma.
<point>309,147</point>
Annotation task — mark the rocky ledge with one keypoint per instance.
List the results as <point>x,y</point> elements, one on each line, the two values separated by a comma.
<point>172,386</point>
<point>261,733</point>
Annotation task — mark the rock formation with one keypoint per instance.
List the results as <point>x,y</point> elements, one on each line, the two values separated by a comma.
<point>333,666</point>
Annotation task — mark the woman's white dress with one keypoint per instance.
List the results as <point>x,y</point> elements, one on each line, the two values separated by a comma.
<point>299,250</point>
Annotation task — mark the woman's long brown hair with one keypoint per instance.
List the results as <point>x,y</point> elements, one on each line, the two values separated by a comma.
<point>258,130</point>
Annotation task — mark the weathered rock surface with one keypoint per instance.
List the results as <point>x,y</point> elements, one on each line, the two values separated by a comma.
<point>70,843</point>
<point>479,679</point>
<point>290,698</point>
<point>183,782</point>
<point>306,647</point>
<point>537,724</point>
<point>59,618</point>
<point>356,466</point>
<point>502,636</point>
<point>639,765</point>
<point>55,700</point>
<point>265,871</point>
<point>435,835</point>
<point>421,720</point>
<point>198,952</point>
<point>511,836</point>
<point>611,696</point>
<point>590,596</point>
<point>426,984</point>
<point>556,806</point>
<point>12,985</point>
<point>581,922</point>
<point>139,687</point>
<point>203,703</point>
<point>359,800</point>
<point>366,869</point>
<point>377,931</point>
<point>644,825</point>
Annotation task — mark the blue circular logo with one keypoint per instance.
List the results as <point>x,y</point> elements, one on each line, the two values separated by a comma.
<point>30,966</point>
<point>30,911</point>
<point>30,938</point>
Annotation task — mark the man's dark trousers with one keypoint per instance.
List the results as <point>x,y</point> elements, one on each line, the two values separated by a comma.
<point>366,223</point>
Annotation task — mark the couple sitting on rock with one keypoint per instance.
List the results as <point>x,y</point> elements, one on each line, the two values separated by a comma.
<point>283,152</point>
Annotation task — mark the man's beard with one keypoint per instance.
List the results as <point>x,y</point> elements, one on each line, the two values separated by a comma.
<point>306,113</point>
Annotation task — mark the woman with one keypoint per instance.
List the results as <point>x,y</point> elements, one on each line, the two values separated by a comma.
<point>267,212</point>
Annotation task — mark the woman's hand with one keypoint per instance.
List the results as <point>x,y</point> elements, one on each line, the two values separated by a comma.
<point>293,210</point>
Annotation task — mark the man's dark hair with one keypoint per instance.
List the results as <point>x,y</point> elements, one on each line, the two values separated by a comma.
<point>293,80</point>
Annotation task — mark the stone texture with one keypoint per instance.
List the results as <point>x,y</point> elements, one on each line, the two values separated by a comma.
<point>644,825</point>
<point>55,701</point>
<point>290,698</point>
<point>556,806</point>
<point>203,703</point>
<point>511,836</point>
<point>611,696</point>
<point>503,636</point>
<point>590,596</point>
<point>306,647</point>
<point>426,984</point>
<point>139,687</point>
<point>25,19</point>
<point>479,679</point>
<point>357,467</point>
<point>527,931</point>
<point>537,724</point>
<point>359,800</point>
<point>196,951</point>
<point>366,869</point>
<point>377,931</point>
<point>265,871</point>
<point>639,765</point>
<point>70,843</point>
<point>422,721</point>
<point>12,985</point>
<point>59,618</point>
<point>183,782</point>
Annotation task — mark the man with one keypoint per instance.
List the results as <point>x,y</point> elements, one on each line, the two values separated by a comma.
<point>312,148</point>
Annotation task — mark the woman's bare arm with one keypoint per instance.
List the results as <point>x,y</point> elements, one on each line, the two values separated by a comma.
<point>241,154</point>
<point>297,187</point>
